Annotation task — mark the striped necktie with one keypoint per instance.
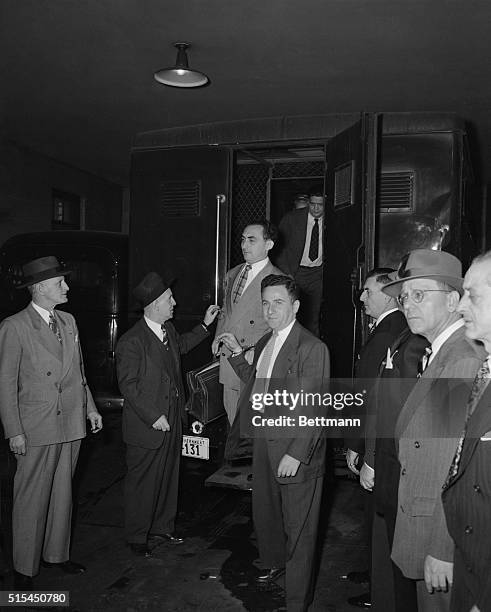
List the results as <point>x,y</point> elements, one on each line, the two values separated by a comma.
<point>165,340</point>
<point>478,387</point>
<point>424,361</point>
<point>240,284</point>
<point>53,325</point>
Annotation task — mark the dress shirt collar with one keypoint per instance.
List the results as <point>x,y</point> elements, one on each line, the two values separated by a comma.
<point>42,312</point>
<point>438,342</point>
<point>155,327</point>
<point>258,266</point>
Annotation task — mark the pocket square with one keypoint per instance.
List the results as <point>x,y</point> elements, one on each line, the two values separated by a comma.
<point>486,437</point>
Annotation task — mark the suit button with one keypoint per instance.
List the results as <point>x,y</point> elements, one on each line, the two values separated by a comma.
<point>477,488</point>
<point>223,354</point>
<point>58,412</point>
<point>251,322</point>
<point>48,373</point>
<point>403,472</point>
<point>468,530</point>
<point>417,444</point>
<point>242,341</point>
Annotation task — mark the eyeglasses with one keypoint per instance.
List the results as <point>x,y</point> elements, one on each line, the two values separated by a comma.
<point>418,295</point>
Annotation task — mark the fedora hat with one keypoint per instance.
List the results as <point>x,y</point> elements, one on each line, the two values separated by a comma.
<point>427,263</point>
<point>41,269</point>
<point>150,288</point>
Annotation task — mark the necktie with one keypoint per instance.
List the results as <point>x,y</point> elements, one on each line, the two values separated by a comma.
<point>478,386</point>
<point>424,361</point>
<point>261,383</point>
<point>314,242</point>
<point>165,340</point>
<point>53,325</point>
<point>240,284</point>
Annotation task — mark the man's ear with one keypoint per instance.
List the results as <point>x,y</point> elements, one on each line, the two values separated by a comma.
<point>269,244</point>
<point>296,306</point>
<point>453,299</point>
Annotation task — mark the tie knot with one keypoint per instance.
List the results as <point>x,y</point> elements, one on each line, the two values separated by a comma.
<point>247,267</point>
<point>428,351</point>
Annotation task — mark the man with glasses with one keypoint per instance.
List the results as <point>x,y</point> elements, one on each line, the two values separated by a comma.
<point>431,420</point>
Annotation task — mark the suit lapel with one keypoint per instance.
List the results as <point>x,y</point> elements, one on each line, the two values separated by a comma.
<point>68,341</point>
<point>233,278</point>
<point>43,333</point>
<point>479,423</point>
<point>249,297</point>
<point>287,354</point>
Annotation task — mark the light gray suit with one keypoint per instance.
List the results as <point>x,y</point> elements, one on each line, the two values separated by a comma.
<point>427,431</point>
<point>246,322</point>
<point>43,395</point>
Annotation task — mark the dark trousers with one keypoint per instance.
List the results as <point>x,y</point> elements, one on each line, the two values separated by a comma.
<point>286,519</point>
<point>391,590</point>
<point>151,487</point>
<point>309,281</point>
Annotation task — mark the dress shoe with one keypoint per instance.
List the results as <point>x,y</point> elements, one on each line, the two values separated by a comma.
<point>67,567</point>
<point>23,582</point>
<point>271,575</point>
<point>357,577</point>
<point>361,601</point>
<point>166,537</point>
<point>140,550</point>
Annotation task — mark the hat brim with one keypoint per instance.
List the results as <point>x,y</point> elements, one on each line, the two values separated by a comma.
<point>42,276</point>
<point>394,289</point>
<point>155,294</point>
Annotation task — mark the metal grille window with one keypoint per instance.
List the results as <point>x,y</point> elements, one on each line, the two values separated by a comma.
<point>343,185</point>
<point>180,198</point>
<point>299,169</point>
<point>396,192</point>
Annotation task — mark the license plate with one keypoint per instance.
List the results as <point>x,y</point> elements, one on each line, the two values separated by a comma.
<point>196,447</point>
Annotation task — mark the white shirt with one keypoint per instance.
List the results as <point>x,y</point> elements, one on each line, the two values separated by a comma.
<point>438,342</point>
<point>254,271</point>
<point>42,311</point>
<point>305,261</point>
<point>155,327</point>
<point>280,340</point>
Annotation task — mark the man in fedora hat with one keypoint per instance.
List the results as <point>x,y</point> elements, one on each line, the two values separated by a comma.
<point>431,420</point>
<point>44,402</point>
<point>148,358</point>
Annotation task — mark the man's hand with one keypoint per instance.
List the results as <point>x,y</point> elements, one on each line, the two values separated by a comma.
<point>367,477</point>
<point>18,444</point>
<point>288,466</point>
<point>230,341</point>
<point>162,424</point>
<point>351,459</point>
<point>438,574</point>
<point>211,314</point>
<point>95,419</point>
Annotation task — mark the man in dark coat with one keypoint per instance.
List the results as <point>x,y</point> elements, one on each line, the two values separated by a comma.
<point>467,490</point>
<point>149,375</point>
<point>387,323</point>
<point>288,467</point>
<point>301,256</point>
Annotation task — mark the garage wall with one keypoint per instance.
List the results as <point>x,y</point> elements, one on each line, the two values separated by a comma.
<point>27,180</point>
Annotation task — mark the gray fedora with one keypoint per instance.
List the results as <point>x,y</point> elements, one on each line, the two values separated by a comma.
<point>41,269</point>
<point>427,263</point>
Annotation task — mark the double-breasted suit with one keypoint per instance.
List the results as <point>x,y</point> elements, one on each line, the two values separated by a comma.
<point>467,505</point>
<point>149,377</point>
<point>43,395</point>
<point>427,431</point>
<point>245,321</point>
<point>286,509</point>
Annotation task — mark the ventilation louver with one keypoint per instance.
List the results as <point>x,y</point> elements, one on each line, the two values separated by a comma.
<point>396,192</point>
<point>180,198</point>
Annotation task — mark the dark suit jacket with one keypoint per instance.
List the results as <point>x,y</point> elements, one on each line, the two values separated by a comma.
<point>301,364</point>
<point>292,233</point>
<point>394,385</point>
<point>150,379</point>
<point>467,505</point>
<point>371,356</point>
<point>43,392</point>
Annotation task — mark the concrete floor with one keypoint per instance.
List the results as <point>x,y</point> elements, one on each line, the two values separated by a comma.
<point>215,568</point>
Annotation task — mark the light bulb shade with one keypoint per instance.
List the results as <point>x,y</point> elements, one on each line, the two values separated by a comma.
<point>180,75</point>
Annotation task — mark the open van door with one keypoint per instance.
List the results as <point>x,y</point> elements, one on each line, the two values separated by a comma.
<point>349,238</point>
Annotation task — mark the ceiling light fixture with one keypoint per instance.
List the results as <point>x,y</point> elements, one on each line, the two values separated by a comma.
<point>180,75</point>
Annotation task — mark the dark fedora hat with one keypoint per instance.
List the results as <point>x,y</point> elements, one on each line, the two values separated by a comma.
<point>41,269</point>
<point>427,263</point>
<point>150,288</point>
